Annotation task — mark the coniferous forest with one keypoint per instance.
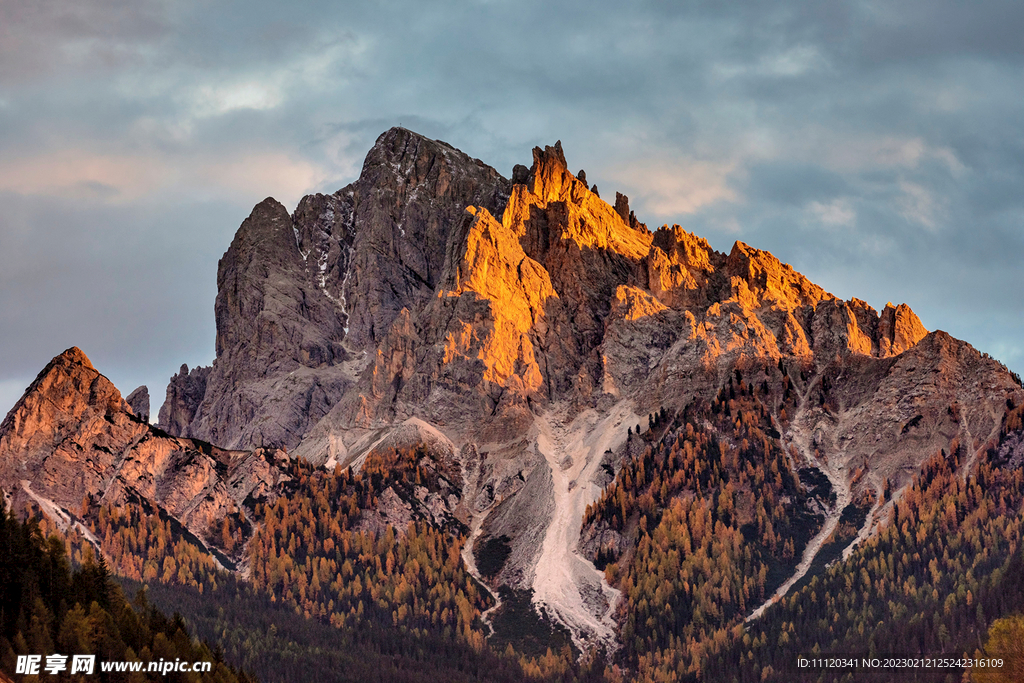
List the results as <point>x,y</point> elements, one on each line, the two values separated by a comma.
<point>49,607</point>
<point>706,516</point>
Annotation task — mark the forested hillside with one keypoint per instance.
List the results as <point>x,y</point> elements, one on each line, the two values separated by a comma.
<point>46,608</point>
<point>705,521</point>
<point>700,514</point>
<point>707,515</point>
<point>948,564</point>
<point>333,593</point>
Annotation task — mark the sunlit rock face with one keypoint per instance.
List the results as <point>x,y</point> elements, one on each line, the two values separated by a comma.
<point>527,323</point>
<point>304,300</point>
<point>72,442</point>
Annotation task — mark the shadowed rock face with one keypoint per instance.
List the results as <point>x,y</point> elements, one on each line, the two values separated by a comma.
<point>304,300</point>
<point>139,402</point>
<point>184,394</point>
<point>410,195</point>
<point>279,338</point>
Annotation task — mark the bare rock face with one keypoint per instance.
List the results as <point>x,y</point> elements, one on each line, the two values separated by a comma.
<point>410,195</point>
<point>304,300</point>
<point>759,279</point>
<point>515,321</point>
<point>589,250</point>
<point>267,321</point>
<point>139,402</point>
<point>639,330</point>
<point>887,415</point>
<point>683,270</point>
<point>898,330</point>
<point>184,394</point>
<point>72,437</point>
<point>66,395</point>
<point>280,355</point>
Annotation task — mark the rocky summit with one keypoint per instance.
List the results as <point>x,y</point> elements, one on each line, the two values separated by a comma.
<point>72,443</point>
<point>523,330</point>
<point>527,323</point>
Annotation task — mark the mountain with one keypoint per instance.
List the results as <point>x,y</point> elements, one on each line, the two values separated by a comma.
<point>528,324</point>
<point>301,298</point>
<point>71,443</point>
<point>138,400</point>
<point>205,522</point>
<point>562,397</point>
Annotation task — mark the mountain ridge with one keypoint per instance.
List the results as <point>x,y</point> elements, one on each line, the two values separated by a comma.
<point>526,333</point>
<point>548,301</point>
<point>72,443</point>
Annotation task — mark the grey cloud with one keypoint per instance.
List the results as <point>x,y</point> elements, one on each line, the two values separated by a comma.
<point>133,287</point>
<point>920,30</point>
<point>38,39</point>
<point>793,182</point>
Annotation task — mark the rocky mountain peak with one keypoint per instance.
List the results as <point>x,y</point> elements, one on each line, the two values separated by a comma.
<point>527,329</point>
<point>304,300</point>
<point>72,356</point>
<point>139,402</point>
<point>276,320</point>
<point>554,207</point>
<point>767,279</point>
<point>270,317</point>
<point>72,437</point>
<point>67,397</point>
<point>899,329</point>
<point>549,176</point>
<point>683,270</point>
<point>70,383</point>
<point>523,298</point>
<point>185,392</point>
<point>409,197</point>
<point>399,148</point>
<point>266,227</point>
<point>68,390</point>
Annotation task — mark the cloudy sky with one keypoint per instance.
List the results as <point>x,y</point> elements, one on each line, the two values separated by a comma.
<point>878,147</point>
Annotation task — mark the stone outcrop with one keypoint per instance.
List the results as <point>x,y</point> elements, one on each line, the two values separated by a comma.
<point>304,300</point>
<point>899,329</point>
<point>281,361</point>
<point>184,394</point>
<point>410,195</point>
<point>138,400</point>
